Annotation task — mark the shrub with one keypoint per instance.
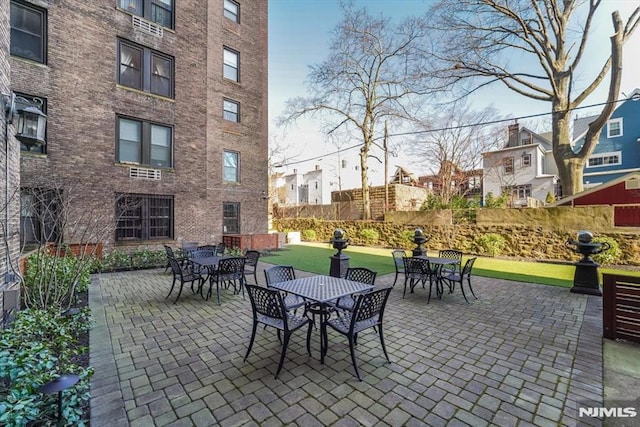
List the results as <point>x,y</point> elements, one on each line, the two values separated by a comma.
<point>491,244</point>
<point>491,201</point>
<point>309,235</point>
<point>369,236</point>
<point>550,199</point>
<point>116,259</point>
<point>51,280</point>
<point>143,258</point>
<point>608,257</point>
<point>39,346</point>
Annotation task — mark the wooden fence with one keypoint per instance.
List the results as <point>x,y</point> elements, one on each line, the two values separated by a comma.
<point>621,307</point>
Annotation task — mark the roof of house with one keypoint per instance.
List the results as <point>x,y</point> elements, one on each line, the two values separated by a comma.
<point>605,185</point>
<point>580,125</point>
<point>400,172</point>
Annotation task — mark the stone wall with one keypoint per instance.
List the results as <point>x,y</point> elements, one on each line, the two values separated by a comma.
<point>542,238</point>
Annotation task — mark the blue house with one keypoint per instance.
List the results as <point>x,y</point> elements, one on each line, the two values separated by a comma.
<point>617,152</point>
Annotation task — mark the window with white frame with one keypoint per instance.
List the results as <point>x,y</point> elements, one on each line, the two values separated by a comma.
<point>231,110</point>
<point>231,169</point>
<point>614,128</point>
<point>519,192</point>
<point>232,10</point>
<point>507,164</point>
<point>526,160</point>
<point>231,67</point>
<point>605,159</point>
<point>144,143</point>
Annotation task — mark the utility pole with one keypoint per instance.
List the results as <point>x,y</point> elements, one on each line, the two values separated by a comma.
<point>386,168</point>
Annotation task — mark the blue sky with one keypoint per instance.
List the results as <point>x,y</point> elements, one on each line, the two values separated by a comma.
<point>299,34</point>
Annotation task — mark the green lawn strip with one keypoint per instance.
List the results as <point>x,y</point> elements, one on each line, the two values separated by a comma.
<point>314,258</point>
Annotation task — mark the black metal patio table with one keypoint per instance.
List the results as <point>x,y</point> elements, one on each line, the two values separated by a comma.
<point>323,290</point>
<point>210,263</point>
<point>440,262</point>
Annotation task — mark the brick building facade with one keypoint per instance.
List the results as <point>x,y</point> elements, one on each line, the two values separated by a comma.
<point>9,170</point>
<point>156,117</point>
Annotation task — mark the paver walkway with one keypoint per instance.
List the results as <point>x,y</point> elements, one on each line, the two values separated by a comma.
<point>521,354</point>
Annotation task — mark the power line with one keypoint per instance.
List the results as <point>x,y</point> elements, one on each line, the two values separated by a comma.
<point>635,97</point>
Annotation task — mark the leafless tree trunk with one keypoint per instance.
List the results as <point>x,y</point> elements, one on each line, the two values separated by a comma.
<point>373,72</point>
<point>535,48</point>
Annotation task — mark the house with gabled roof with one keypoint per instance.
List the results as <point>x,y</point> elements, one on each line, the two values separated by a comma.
<point>524,168</point>
<point>618,150</point>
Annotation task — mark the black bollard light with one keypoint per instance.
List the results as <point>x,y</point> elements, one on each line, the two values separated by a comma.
<point>339,261</point>
<point>58,385</point>
<point>585,279</point>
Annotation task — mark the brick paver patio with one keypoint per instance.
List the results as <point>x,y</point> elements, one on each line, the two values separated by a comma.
<point>521,354</point>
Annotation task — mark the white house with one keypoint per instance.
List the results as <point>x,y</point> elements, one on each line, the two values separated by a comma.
<point>524,167</point>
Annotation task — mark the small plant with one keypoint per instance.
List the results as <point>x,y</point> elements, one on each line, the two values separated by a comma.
<point>369,236</point>
<point>116,260</point>
<point>491,244</point>
<point>144,258</point>
<point>550,199</point>
<point>612,255</point>
<point>309,235</point>
<point>39,346</point>
<point>491,201</point>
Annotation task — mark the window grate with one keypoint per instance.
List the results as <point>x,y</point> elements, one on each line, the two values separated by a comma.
<point>143,173</point>
<point>146,26</point>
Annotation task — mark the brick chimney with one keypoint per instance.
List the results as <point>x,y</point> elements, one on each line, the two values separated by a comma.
<point>514,135</point>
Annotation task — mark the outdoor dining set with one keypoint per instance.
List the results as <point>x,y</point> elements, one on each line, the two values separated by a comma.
<point>347,305</point>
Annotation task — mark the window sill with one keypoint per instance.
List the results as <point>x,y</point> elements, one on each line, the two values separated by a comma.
<point>139,165</point>
<point>141,92</point>
<point>34,155</point>
<point>30,62</point>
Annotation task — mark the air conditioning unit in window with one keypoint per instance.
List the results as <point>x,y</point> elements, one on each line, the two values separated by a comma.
<point>146,26</point>
<point>143,173</point>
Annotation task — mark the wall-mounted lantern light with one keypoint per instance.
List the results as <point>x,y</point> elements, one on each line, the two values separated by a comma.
<point>32,122</point>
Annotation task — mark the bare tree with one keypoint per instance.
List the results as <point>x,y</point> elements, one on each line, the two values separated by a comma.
<point>372,73</point>
<point>455,146</point>
<point>536,49</point>
<point>57,219</point>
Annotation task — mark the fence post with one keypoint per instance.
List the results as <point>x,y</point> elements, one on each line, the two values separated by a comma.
<point>609,306</point>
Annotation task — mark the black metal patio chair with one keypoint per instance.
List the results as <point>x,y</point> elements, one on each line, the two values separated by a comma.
<point>452,254</point>
<point>230,272</point>
<point>283,273</point>
<point>460,277</point>
<point>268,309</point>
<point>398,254</point>
<point>367,313</point>
<point>170,254</point>
<point>356,274</point>
<point>251,265</point>
<point>183,274</point>
<point>418,270</point>
<point>220,249</point>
